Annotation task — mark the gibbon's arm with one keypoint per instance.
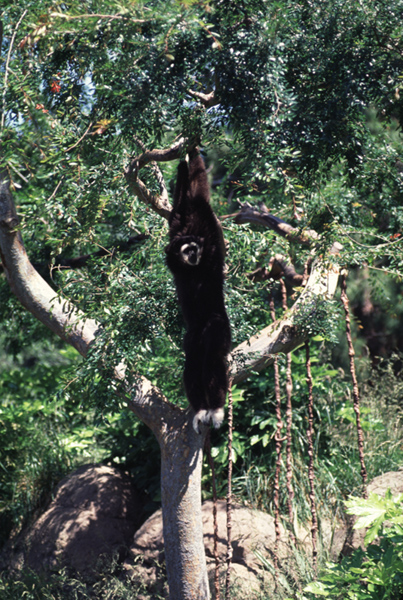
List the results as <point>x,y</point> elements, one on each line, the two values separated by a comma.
<point>181,188</point>
<point>198,182</point>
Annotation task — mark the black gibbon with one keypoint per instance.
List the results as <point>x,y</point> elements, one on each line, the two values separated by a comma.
<point>195,255</point>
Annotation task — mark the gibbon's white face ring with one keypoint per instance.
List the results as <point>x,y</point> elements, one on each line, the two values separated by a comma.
<point>191,253</point>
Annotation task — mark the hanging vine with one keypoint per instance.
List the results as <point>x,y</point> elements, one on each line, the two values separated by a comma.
<point>279,444</point>
<point>229,494</point>
<point>311,472</point>
<point>356,393</point>
<point>288,388</point>
<point>215,522</point>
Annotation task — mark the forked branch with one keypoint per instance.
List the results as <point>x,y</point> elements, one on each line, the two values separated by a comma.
<point>159,203</point>
<point>287,334</point>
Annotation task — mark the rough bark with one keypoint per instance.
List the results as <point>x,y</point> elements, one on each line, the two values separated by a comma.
<point>181,466</point>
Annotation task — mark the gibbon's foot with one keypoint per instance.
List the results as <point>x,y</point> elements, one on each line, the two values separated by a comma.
<point>200,417</point>
<point>213,416</point>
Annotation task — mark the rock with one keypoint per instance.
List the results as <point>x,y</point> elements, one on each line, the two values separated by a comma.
<point>253,535</point>
<point>95,512</point>
<point>349,539</point>
<point>392,480</point>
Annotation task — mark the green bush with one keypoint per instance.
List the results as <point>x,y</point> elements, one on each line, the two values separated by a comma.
<point>375,573</point>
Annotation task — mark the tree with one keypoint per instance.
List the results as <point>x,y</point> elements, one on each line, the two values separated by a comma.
<point>282,93</point>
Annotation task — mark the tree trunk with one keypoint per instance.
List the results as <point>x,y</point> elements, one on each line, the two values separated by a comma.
<point>181,466</point>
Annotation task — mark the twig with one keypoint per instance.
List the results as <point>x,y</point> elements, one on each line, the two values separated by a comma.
<point>7,68</point>
<point>311,471</point>
<point>81,138</point>
<point>356,393</point>
<point>94,15</point>
<point>53,194</point>
<point>229,494</point>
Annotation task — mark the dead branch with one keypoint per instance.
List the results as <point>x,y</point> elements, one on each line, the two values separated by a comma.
<point>207,100</point>
<point>279,266</point>
<point>261,216</point>
<point>285,335</point>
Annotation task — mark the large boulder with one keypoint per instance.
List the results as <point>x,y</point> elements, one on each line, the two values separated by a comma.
<point>95,513</point>
<point>253,543</point>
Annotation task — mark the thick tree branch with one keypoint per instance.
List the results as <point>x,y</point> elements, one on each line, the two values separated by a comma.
<point>158,155</point>
<point>159,203</point>
<point>29,287</point>
<point>287,334</point>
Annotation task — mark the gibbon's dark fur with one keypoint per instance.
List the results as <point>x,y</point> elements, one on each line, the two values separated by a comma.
<point>195,255</point>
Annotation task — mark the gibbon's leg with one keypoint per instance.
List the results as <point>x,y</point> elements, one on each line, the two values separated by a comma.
<point>193,377</point>
<point>216,384</point>
<point>216,341</point>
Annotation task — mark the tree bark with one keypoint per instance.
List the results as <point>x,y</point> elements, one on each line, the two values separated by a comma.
<point>181,466</point>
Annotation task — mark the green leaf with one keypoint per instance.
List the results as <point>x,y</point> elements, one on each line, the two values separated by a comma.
<point>318,588</point>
